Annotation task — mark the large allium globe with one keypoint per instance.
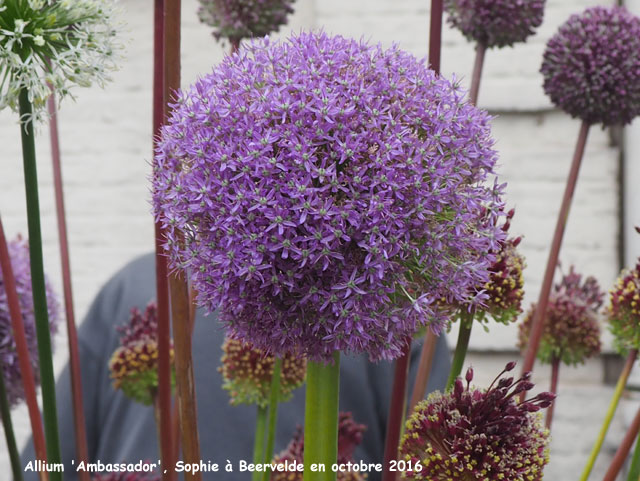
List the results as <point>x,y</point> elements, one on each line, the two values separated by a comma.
<point>328,192</point>
<point>19,254</point>
<point>470,434</point>
<point>238,19</point>
<point>495,23</point>
<point>591,66</point>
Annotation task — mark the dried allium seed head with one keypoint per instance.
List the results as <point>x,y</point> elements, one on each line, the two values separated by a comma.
<point>247,373</point>
<point>591,66</point>
<point>495,23</point>
<point>474,435</point>
<point>571,328</point>
<point>624,310</point>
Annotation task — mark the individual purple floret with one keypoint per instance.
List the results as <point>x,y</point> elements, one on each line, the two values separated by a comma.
<point>591,66</point>
<point>328,192</point>
<point>495,23</point>
<point>238,19</point>
<point>19,253</point>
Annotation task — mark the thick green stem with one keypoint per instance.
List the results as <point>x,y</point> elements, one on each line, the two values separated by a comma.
<point>38,285</point>
<point>274,397</point>
<point>622,382</point>
<point>321,420</point>
<point>634,470</point>
<point>9,435</point>
<point>466,323</point>
<point>258,442</point>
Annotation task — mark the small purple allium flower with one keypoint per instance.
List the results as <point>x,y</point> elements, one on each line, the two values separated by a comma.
<point>475,435</point>
<point>328,193</point>
<point>571,328</point>
<point>238,19</point>
<point>134,365</point>
<point>19,254</point>
<point>495,23</point>
<point>349,437</point>
<point>624,310</point>
<point>591,66</point>
<point>247,373</point>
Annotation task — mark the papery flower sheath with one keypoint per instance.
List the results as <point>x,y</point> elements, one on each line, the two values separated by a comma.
<point>624,310</point>
<point>591,66</point>
<point>495,23</point>
<point>349,437</point>
<point>471,434</point>
<point>247,373</point>
<point>19,254</point>
<point>328,193</point>
<point>238,19</point>
<point>64,43</point>
<point>134,364</point>
<point>572,330</point>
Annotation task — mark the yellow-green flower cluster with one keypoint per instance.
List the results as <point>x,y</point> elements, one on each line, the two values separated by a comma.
<point>624,311</point>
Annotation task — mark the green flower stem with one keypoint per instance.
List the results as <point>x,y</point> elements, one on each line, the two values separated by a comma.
<point>622,382</point>
<point>8,431</point>
<point>466,323</point>
<point>38,285</point>
<point>274,396</point>
<point>258,442</point>
<point>634,470</point>
<point>321,420</point>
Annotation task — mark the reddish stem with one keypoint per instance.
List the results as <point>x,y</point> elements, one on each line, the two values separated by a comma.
<point>235,45</point>
<point>22,350</point>
<point>555,371</point>
<point>481,49</point>
<point>621,455</point>
<point>396,412</point>
<point>435,35</point>
<point>82,451</point>
<point>424,369</point>
<point>537,325</point>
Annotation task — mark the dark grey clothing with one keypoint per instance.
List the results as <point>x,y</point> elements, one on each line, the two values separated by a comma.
<point>119,430</point>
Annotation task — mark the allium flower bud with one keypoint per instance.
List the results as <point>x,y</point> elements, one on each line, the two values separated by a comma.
<point>624,311</point>
<point>62,43</point>
<point>247,373</point>
<point>328,193</point>
<point>571,328</point>
<point>238,19</point>
<point>591,66</point>
<point>134,365</point>
<point>475,435</point>
<point>19,254</point>
<point>349,437</point>
<point>495,23</point>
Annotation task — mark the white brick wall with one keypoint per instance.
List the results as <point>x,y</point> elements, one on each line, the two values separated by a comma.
<point>106,148</point>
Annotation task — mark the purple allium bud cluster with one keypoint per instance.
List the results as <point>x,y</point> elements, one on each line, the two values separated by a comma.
<point>238,19</point>
<point>329,192</point>
<point>591,66</point>
<point>349,437</point>
<point>19,254</point>
<point>134,365</point>
<point>495,23</point>
<point>247,373</point>
<point>571,328</point>
<point>624,311</point>
<point>475,435</point>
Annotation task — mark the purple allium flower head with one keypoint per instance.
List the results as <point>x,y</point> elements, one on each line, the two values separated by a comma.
<point>495,23</point>
<point>134,364</point>
<point>329,192</point>
<point>475,435</point>
<point>591,66</point>
<point>19,253</point>
<point>571,327</point>
<point>624,310</point>
<point>238,19</point>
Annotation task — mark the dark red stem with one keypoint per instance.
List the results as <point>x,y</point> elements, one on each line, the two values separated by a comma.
<point>555,371</point>
<point>82,451</point>
<point>424,369</point>
<point>435,35</point>
<point>22,349</point>
<point>623,450</point>
<point>537,325</point>
<point>235,45</point>
<point>396,412</point>
<point>481,48</point>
